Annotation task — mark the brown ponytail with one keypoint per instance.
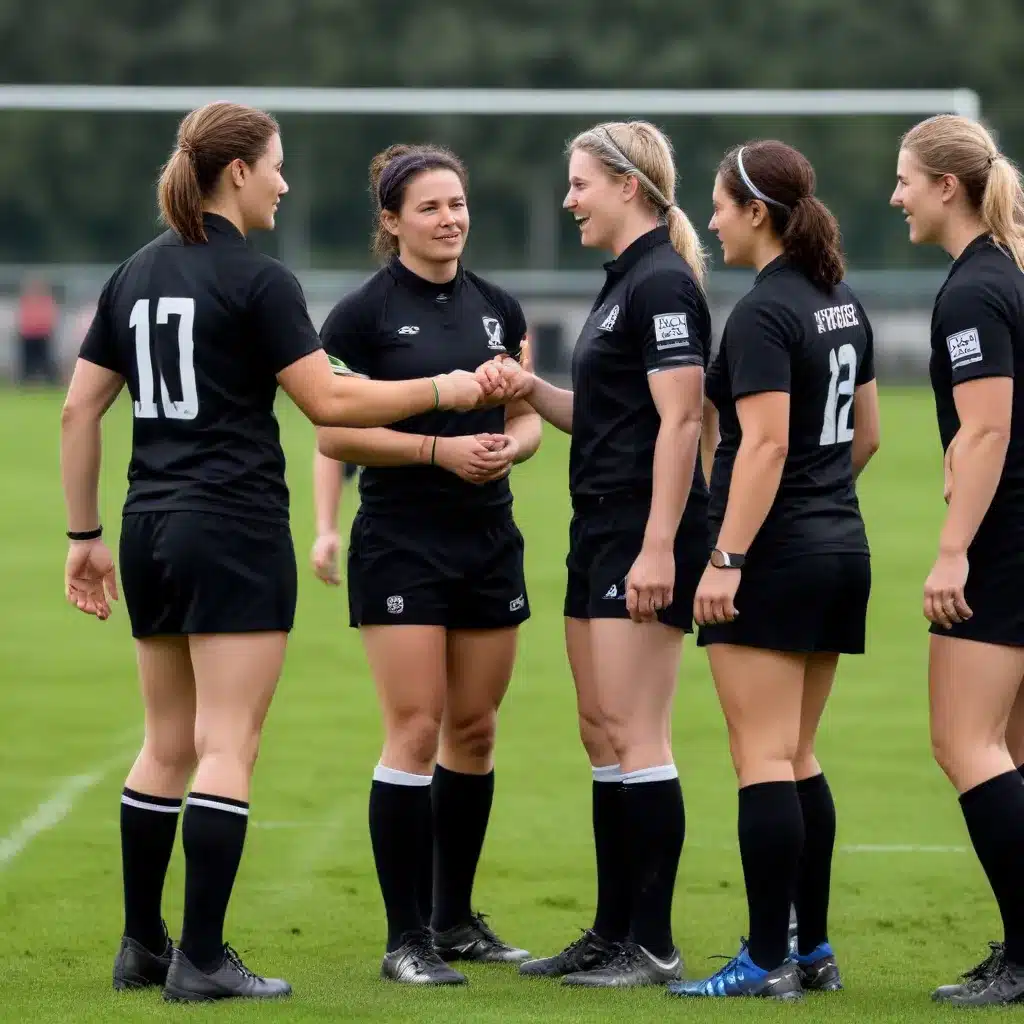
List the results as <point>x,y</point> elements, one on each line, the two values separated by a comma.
<point>811,242</point>
<point>209,138</point>
<point>390,173</point>
<point>783,179</point>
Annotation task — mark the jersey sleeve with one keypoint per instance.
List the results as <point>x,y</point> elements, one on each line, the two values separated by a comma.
<point>972,324</point>
<point>99,345</point>
<point>866,369</point>
<point>669,315</point>
<point>515,328</point>
<point>347,339</point>
<point>759,351</point>
<point>280,318</point>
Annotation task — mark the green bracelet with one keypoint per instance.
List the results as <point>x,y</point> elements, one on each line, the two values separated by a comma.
<point>437,394</point>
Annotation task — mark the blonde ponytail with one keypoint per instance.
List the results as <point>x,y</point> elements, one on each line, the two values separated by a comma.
<point>1002,208</point>
<point>687,243</point>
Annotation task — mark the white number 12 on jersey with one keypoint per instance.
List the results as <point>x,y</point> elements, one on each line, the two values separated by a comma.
<point>836,427</point>
<point>145,407</point>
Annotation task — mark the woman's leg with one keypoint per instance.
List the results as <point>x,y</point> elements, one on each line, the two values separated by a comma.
<point>973,687</point>
<point>480,663</point>
<point>150,805</point>
<point>761,693</point>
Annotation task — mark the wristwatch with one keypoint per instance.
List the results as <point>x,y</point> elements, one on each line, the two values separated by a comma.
<point>724,560</point>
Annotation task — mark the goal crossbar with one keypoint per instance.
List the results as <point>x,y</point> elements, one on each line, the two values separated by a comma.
<point>750,102</point>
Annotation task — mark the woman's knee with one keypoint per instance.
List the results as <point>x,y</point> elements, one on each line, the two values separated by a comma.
<point>473,736</point>
<point>413,737</point>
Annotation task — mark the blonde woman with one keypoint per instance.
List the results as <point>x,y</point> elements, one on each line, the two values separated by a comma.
<point>960,193</point>
<point>638,537</point>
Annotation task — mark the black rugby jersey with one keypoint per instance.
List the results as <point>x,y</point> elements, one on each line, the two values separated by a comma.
<point>978,331</point>
<point>199,333</point>
<point>788,335</point>
<point>650,315</point>
<point>399,325</point>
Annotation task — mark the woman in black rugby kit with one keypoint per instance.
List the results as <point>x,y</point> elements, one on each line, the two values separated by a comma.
<point>638,538</point>
<point>202,329</point>
<point>435,563</point>
<point>960,193</point>
<point>786,590</point>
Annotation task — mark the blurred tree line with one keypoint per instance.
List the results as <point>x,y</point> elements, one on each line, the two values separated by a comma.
<point>79,187</point>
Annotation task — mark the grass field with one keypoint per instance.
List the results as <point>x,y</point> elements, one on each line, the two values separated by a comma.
<point>910,905</point>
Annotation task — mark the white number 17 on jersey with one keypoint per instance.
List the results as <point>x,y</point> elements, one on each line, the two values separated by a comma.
<point>188,407</point>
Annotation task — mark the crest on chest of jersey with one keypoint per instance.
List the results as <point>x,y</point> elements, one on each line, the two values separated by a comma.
<point>495,336</point>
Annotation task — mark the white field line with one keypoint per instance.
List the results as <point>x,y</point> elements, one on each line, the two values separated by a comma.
<point>52,811</point>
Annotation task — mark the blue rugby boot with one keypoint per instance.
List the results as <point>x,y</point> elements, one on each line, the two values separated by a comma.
<point>742,977</point>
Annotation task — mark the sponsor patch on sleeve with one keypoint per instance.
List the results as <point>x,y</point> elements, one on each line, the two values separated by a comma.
<point>341,368</point>
<point>670,331</point>
<point>964,348</point>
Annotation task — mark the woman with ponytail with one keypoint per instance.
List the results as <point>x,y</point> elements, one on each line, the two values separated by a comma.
<point>202,328</point>
<point>638,537</point>
<point>786,590</point>
<point>960,193</point>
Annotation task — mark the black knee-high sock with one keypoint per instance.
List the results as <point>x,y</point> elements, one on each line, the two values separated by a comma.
<point>815,879</point>
<point>994,812</point>
<point>213,834</point>
<point>462,808</point>
<point>148,826</point>
<point>655,824</point>
<point>399,805</point>
<point>611,919</point>
<point>425,863</point>
<point>771,832</point>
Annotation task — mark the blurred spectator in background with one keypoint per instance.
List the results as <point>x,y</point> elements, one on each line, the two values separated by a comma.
<point>37,321</point>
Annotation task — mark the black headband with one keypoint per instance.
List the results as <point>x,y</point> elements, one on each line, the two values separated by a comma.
<point>397,173</point>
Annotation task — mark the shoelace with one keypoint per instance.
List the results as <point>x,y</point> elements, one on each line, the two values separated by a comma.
<point>629,954</point>
<point>990,963</point>
<point>422,950</point>
<point>236,961</point>
<point>480,920</point>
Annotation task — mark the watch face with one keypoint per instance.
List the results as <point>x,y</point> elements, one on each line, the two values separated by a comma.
<point>717,559</point>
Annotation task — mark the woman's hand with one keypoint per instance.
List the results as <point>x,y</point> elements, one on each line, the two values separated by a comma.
<point>89,578</point>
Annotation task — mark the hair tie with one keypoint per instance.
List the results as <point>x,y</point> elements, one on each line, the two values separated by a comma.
<point>993,157</point>
<point>754,190</point>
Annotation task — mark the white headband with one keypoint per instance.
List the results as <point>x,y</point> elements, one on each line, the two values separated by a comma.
<point>652,190</point>
<point>754,190</point>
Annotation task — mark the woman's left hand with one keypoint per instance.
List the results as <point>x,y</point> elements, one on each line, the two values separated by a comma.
<point>715,600</point>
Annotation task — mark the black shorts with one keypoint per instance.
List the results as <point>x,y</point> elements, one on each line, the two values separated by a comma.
<point>808,604</point>
<point>994,592</point>
<point>605,537</point>
<point>458,573</point>
<point>199,572</point>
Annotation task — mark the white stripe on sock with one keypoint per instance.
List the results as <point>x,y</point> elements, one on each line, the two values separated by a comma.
<point>216,805</point>
<point>607,773</point>
<point>659,773</point>
<point>396,778</point>
<point>145,806</point>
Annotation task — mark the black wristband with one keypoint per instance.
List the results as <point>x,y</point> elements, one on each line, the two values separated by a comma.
<point>86,534</point>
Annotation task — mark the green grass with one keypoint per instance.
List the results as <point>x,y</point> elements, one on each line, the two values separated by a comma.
<point>306,905</point>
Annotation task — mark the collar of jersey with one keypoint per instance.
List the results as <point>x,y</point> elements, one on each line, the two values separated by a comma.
<point>430,289</point>
<point>973,247</point>
<point>779,263</point>
<point>215,224</point>
<point>629,256</point>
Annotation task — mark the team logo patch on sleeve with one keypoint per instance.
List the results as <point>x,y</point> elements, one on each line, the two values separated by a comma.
<point>495,335</point>
<point>670,331</point>
<point>964,348</point>
<point>341,368</point>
